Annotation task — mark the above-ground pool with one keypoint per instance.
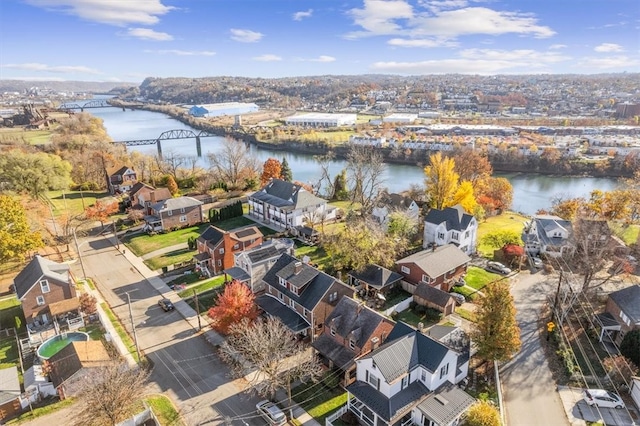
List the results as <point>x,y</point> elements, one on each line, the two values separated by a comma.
<point>55,344</point>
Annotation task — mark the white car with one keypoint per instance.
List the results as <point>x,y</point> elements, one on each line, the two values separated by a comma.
<point>537,262</point>
<point>271,413</point>
<point>602,398</point>
<point>497,267</point>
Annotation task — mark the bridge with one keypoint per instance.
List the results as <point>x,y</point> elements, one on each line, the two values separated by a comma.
<point>96,103</point>
<point>170,135</point>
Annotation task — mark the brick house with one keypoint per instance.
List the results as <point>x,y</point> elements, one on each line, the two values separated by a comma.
<point>47,293</point>
<point>121,179</point>
<point>301,296</point>
<point>173,213</point>
<point>143,196</point>
<point>216,248</point>
<point>74,364</point>
<point>350,331</point>
<point>622,313</point>
<point>438,267</point>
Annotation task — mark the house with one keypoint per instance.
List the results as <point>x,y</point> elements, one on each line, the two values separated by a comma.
<point>120,179</point>
<point>434,298</point>
<point>174,213</point>
<point>251,265</point>
<point>216,247</point>
<point>451,226</point>
<point>350,331</point>
<point>410,379</point>
<point>143,196</point>
<point>635,390</point>
<point>439,267</point>
<point>74,362</point>
<point>374,279</point>
<point>548,235</point>
<point>288,205</point>
<point>389,203</point>
<point>10,393</point>
<point>621,313</point>
<point>301,296</point>
<point>47,293</point>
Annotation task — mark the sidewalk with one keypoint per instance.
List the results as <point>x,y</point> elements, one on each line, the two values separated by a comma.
<point>298,412</point>
<point>165,250</point>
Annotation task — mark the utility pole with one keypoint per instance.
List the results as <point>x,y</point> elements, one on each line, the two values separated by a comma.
<point>133,326</point>
<point>555,303</point>
<point>75,238</point>
<point>195,296</point>
<point>115,232</point>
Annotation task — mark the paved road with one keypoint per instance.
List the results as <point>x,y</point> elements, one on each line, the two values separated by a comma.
<point>185,365</point>
<point>530,394</point>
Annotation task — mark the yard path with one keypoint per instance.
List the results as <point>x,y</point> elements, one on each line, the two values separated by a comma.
<point>165,250</point>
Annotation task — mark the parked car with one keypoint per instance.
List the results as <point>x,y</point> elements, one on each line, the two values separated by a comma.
<point>460,283</point>
<point>497,267</point>
<point>166,305</point>
<point>537,262</point>
<point>602,398</point>
<point>271,413</point>
<point>460,299</point>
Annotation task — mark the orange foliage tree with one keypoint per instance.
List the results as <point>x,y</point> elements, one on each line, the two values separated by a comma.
<point>233,305</point>
<point>271,169</point>
<point>101,210</point>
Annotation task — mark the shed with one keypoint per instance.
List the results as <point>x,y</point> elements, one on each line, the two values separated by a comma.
<point>435,298</point>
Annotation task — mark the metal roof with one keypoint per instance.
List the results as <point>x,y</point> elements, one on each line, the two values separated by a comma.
<point>437,262</point>
<point>446,404</point>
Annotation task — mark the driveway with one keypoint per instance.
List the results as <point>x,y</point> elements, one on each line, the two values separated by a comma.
<point>580,412</point>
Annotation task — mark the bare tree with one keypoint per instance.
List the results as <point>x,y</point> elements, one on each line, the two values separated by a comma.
<point>364,168</point>
<point>269,356</point>
<point>324,161</point>
<point>233,162</point>
<point>171,163</point>
<point>109,393</point>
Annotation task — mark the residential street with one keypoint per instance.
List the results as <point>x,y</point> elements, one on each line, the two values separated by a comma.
<point>530,395</point>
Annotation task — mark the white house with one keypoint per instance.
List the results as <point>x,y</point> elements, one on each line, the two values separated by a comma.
<point>410,379</point>
<point>389,203</point>
<point>549,235</point>
<point>288,205</point>
<point>451,226</point>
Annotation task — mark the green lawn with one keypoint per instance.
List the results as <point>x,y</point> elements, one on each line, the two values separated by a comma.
<point>173,257</point>
<point>124,336</point>
<point>201,286</point>
<point>468,315</point>
<point>41,411</point>
<point>507,221</point>
<point>164,409</point>
<point>410,317</point>
<point>478,278</point>
<point>233,223</point>
<point>318,400</point>
<point>628,234</point>
<point>10,309</point>
<point>316,253</point>
<point>73,202</point>
<point>19,135</point>
<point>9,355</point>
<point>208,292</point>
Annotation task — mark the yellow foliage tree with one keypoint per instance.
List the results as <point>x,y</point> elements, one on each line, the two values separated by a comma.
<point>482,413</point>
<point>465,197</point>
<point>441,181</point>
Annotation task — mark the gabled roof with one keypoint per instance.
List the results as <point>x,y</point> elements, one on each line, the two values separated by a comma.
<point>288,317</point>
<point>76,356</point>
<point>454,218</point>
<point>395,201</point>
<point>446,404</point>
<point>9,384</point>
<point>437,262</point>
<point>138,186</point>
<point>269,250</point>
<point>628,300</point>
<point>547,224</point>
<point>118,170</point>
<point>39,267</point>
<point>376,276</point>
<point>287,195</point>
<point>392,408</point>
<point>211,235</point>
<point>176,204</point>
<point>433,295</point>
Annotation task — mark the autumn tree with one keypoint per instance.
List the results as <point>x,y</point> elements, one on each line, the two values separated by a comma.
<point>496,333</point>
<point>233,163</point>
<point>285,170</point>
<point>270,351</point>
<point>499,191</point>
<point>88,303</point>
<point>271,169</point>
<point>472,165</point>
<point>33,173</point>
<point>340,189</point>
<point>172,186</point>
<point>109,394</point>
<point>501,238</point>
<point>620,369</point>
<point>101,210</point>
<point>482,413</point>
<point>365,170</point>
<point>465,197</point>
<point>16,237</point>
<point>441,181</point>
<point>236,303</point>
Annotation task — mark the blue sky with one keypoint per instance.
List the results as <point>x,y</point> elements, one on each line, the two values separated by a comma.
<point>128,40</point>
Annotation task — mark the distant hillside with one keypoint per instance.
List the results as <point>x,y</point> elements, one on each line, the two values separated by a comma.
<point>63,86</point>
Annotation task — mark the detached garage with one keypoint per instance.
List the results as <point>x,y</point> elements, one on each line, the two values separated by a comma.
<point>635,391</point>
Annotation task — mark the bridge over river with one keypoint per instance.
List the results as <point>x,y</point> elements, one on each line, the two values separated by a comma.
<point>170,135</point>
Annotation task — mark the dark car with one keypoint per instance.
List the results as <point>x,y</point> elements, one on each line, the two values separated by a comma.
<point>166,305</point>
<point>459,298</point>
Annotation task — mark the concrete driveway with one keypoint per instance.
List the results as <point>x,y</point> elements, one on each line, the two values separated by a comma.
<point>579,412</point>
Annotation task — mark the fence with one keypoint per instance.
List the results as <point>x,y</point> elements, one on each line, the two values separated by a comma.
<point>409,288</point>
<point>399,307</point>
<point>328,421</point>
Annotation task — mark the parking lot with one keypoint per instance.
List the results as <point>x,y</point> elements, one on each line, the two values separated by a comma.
<point>579,412</point>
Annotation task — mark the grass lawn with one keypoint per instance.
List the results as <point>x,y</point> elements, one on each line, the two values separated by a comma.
<point>176,256</point>
<point>9,355</point>
<point>18,135</point>
<point>141,244</point>
<point>128,342</point>
<point>410,317</point>
<point>75,202</point>
<point>202,286</point>
<point>164,409</point>
<point>316,253</point>
<point>233,223</point>
<point>207,293</point>
<point>507,221</point>
<point>10,309</point>
<point>318,400</point>
<point>41,411</point>
<point>95,331</point>
<point>468,315</point>
<point>467,292</point>
<point>628,234</point>
<point>478,278</point>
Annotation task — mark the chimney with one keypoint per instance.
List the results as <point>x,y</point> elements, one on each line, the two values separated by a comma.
<point>152,197</point>
<point>339,275</point>
<point>374,343</point>
<point>297,267</point>
<point>420,327</point>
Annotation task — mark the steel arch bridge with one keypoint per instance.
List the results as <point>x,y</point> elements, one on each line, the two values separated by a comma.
<point>169,135</point>
<point>96,103</point>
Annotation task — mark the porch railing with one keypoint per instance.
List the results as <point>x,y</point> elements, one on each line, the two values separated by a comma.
<point>328,421</point>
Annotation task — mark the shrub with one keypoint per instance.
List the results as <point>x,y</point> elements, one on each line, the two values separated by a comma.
<point>433,314</point>
<point>420,310</point>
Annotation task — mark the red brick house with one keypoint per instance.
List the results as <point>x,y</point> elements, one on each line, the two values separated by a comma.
<point>216,248</point>
<point>174,213</point>
<point>121,179</point>
<point>439,267</point>
<point>143,196</point>
<point>350,331</point>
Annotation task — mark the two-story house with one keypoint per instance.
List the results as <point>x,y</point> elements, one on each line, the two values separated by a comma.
<point>143,196</point>
<point>288,205</point>
<point>389,203</point>
<point>548,235</point>
<point>350,331</point>
<point>439,267</point>
<point>121,179</point>
<point>216,247</point>
<point>251,265</point>
<point>301,296</point>
<point>174,213</point>
<point>451,226</point>
<point>47,292</point>
<point>410,379</point>
<point>622,313</point>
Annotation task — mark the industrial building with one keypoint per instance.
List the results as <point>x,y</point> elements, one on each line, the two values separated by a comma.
<point>322,120</point>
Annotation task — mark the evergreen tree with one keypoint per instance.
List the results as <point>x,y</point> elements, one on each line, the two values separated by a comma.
<point>285,170</point>
<point>340,190</point>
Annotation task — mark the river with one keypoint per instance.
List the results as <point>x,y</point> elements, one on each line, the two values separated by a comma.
<point>530,192</point>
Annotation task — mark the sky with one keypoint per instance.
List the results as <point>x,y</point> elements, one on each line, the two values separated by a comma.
<point>129,40</point>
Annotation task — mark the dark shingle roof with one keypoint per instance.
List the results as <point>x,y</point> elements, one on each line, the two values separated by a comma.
<point>395,201</point>
<point>288,317</point>
<point>433,295</point>
<point>248,232</point>
<point>34,270</point>
<point>268,250</point>
<point>628,300</point>
<point>389,408</point>
<point>285,194</point>
<point>211,235</point>
<point>376,276</point>
<point>454,217</point>
<point>341,356</point>
<point>437,262</point>
<point>446,404</point>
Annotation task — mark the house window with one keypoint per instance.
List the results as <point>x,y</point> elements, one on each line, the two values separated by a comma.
<point>294,290</point>
<point>333,296</point>
<point>219,262</point>
<point>221,251</point>
<point>426,278</point>
<point>623,317</point>
<point>423,376</point>
<point>405,270</point>
<point>466,234</point>
<point>44,286</point>
<point>40,300</point>
<point>333,331</point>
<point>373,380</point>
<point>183,218</point>
<point>235,247</point>
<point>405,382</point>
<point>441,235</point>
<point>454,235</point>
<point>169,212</point>
<point>283,282</point>
<point>444,371</point>
<point>292,303</point>
<point>281,295</point>
<point>305,312</point>
<point>182,210</point>
<point>352,344</point>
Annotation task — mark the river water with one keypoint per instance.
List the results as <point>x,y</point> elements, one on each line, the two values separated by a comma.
<point>531,192</point>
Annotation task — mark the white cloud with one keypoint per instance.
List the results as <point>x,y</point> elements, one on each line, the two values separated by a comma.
<point>299,16</point>
<point>438,5</point>
<point>608,47</point>
<point>620,62</point>
<point>378,17</point>
<point>558,46</point>
<point>148,34</point>
<point>245,36</point>
<point>323,58</point>
<point>519,55</point>
<point>267,58</point>
<point>425,42</point>
<point>182,52</point>
<point>111,12</point>
<point>35,66</point>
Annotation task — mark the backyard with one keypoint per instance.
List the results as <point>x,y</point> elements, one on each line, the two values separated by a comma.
<point>318,400</point>
<point>507,221</point>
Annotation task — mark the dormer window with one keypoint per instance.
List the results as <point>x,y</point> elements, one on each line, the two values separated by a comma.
<point>182,210</point>
<point>352,344</point>
<point>294,290</point>
<point>44,286</point>
<point>405,382</point>
<point>333,331</point>
<point>283,282</point>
